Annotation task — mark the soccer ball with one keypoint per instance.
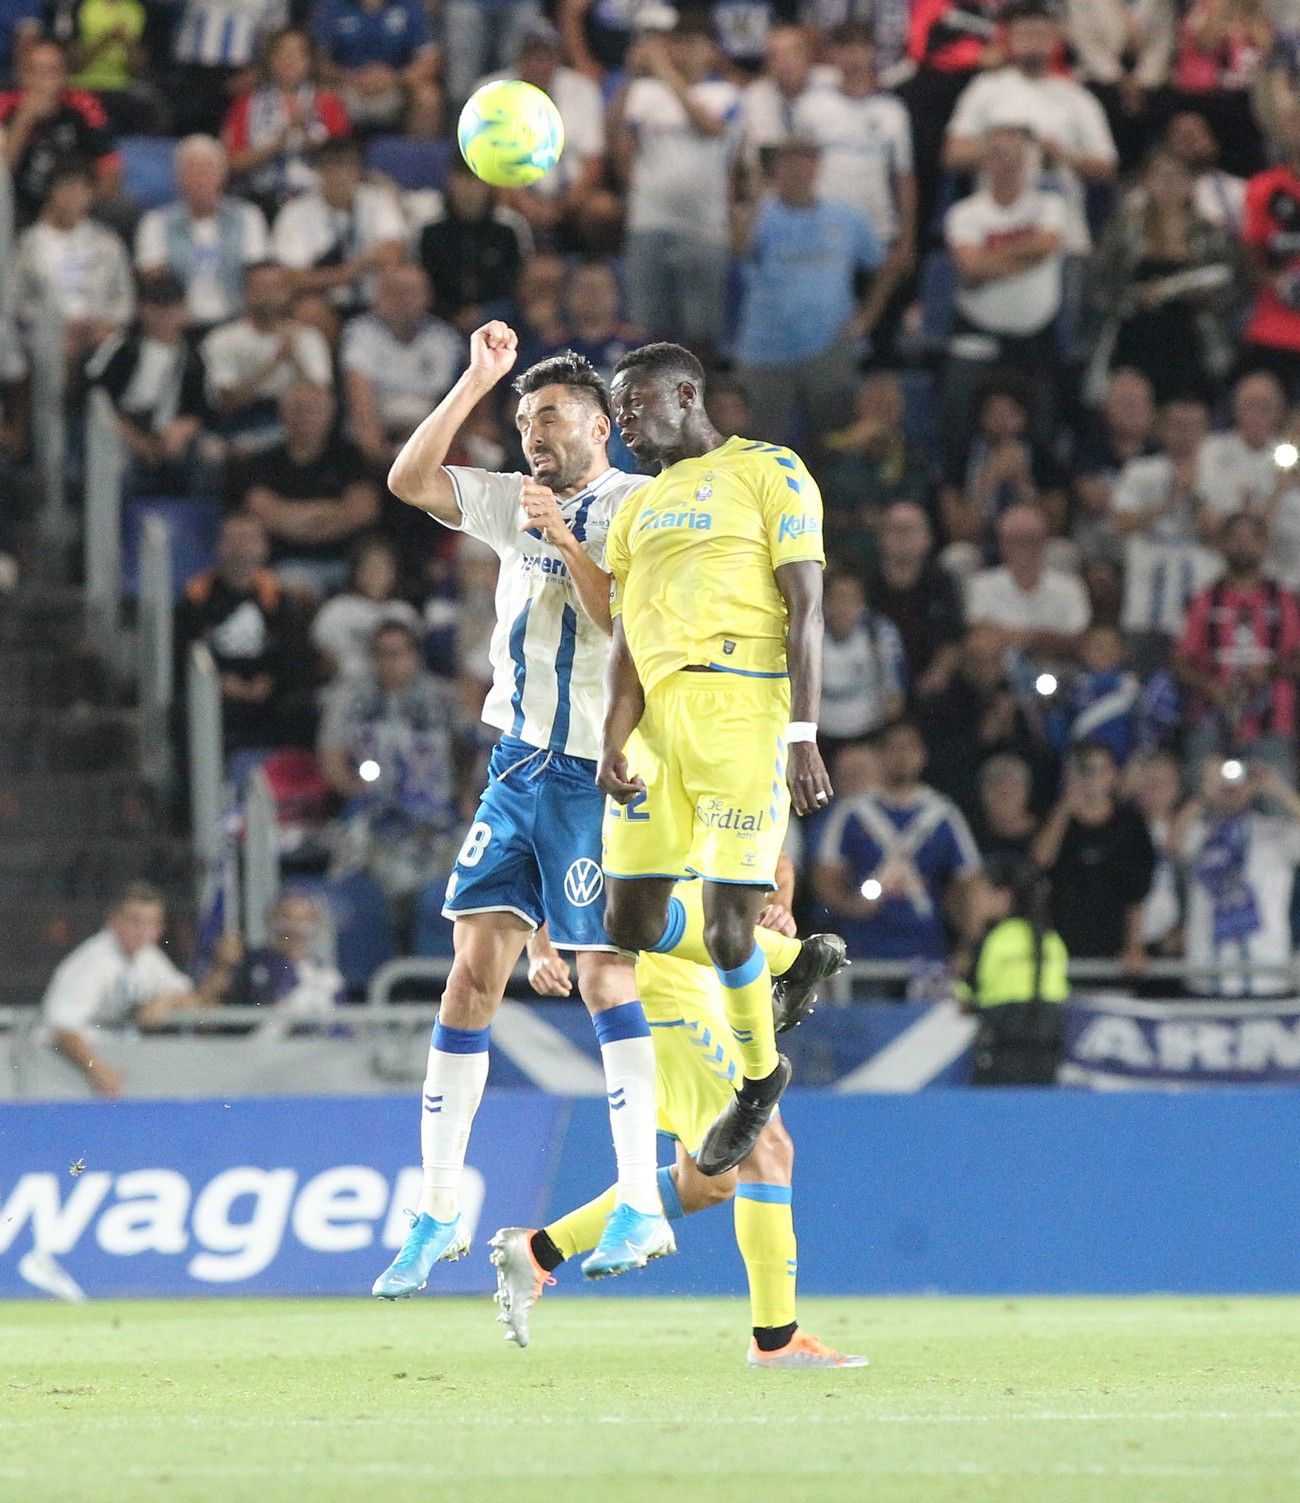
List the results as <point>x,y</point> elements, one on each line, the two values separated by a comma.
<point>510,134</point>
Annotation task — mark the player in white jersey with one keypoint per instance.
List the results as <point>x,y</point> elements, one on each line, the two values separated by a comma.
<point>533,853</point>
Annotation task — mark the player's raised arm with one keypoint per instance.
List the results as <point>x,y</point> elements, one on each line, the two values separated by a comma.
<point>800,584</point>
<point>417,476</point>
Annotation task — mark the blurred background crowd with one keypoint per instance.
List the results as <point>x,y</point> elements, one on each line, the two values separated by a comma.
<point>1020,281</point>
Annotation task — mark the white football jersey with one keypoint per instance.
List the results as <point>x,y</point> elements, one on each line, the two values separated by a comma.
<point>548,658</point>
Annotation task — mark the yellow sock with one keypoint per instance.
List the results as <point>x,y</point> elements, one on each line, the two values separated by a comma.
<point>765,1236</point>
<point>747,1000</point>
<point>780,949</point>
<point>684,934</point>
<point>580,1230</point>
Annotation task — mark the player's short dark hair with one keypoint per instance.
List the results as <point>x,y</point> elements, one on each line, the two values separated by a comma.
<point>570,369</point>
<point>139,892</point>
<point>663,359</point>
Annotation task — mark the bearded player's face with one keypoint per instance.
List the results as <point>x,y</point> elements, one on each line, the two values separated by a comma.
<point>650,417</point>
<point>559,433</point>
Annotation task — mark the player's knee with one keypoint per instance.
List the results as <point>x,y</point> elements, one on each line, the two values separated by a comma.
<point>630,925</point>
<point>729,939</point>
<point>471,997</point>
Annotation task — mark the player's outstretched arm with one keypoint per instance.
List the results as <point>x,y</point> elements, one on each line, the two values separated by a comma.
<point>417,476</point>
<point>624,706</point>
<point>800,584</point>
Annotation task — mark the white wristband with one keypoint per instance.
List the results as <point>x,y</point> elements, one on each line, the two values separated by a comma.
<point>800,730</point>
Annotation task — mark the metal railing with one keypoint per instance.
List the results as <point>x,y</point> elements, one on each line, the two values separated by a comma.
<point>47,350</point>
<point>207,784</point>
<point>154,652</point>
<point>261,855</point>
<point>102,524</point>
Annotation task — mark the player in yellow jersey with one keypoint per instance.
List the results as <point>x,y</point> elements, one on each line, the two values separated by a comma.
<point>716,668</point>
<point>694,1066</point>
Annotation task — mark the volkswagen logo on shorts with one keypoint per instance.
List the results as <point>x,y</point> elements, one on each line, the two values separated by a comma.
<point>583,882</point>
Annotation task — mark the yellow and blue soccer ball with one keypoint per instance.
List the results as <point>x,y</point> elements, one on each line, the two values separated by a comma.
<point>510,134</point>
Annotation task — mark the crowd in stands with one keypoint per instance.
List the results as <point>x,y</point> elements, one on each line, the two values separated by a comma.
<point>1021,281</point>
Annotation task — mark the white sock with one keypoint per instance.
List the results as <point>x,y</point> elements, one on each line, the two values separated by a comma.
<point>453,1088</point>
<point>628,1054</point>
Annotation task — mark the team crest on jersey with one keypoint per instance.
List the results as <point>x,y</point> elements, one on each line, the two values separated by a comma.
<point>704,490</point>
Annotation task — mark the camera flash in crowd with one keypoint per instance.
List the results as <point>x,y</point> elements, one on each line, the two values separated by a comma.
<point>1045,683</point>
<point>871,889</point>
<point>368,772</point>
<point>1285,456</point>
<point>1233,771</point>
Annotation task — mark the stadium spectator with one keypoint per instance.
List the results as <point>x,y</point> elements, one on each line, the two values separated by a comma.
<point>398,362</point>
<point>387,746</point>
<point>381,57</point>
<point>1002,466</point>
<point>44,122</point>
<point>1272,336</point>
<point>1095,849</point>
<point>1164,288</point>
<point>1075,146</point>
<point>1237,470</point>
<point>70,263</point>
<point>865,467</point>
<point>1220,197</point>
<point>597,38</point>
<point>337,236</point>
<point>1123,52</point>
<point>675,140</point>
<point>215,47</point>
<point>472,252</point>
<point>239,612</point>
<point>1039,611</point>
<point>1240,864</point>
<point>1154,783</point>
<point>272,127</point>
<point>482,38</point>
<point>866,155</point>
<point>21,23</point>
<point>153,375</point>
<point>251,361</point>
<point>1158,513</point>
<point>206,237</point>
<point>1121,430</point>
<point>1004,823</point>
<point>892,862</point>
<point>1221,44</point>
<point>343,630</point>
<point>109,61</point>
<point>769,106</point>
<point>1101,703</point>
<point>119,975</point>
<point>801,326</point>
<point>592,326</point>
<point>976,714</point>
<point>571,205</point>
<point>918,596</point>
<point>287,976</point>
<point>1239,655</point>
<point>313,493</point>
<point>863,675</point>
<point>1006,241</point>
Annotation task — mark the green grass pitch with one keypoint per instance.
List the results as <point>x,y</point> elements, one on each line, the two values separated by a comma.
<point>1163,1401</point>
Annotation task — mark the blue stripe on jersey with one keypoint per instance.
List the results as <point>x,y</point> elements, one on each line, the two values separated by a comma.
<point>564,677</point>
<point>580,521</point>
<point>517,633</point>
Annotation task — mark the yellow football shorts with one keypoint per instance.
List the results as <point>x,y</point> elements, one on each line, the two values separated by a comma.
<point>711,751</point>
<point>695,1069</point>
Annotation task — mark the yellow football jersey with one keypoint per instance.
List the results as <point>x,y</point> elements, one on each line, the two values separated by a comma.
<point>693,557</point>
